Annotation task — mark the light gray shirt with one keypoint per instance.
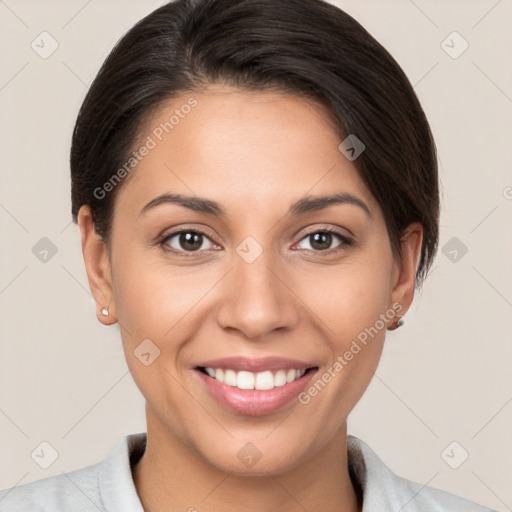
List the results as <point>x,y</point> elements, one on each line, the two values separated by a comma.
<point>107,486</point>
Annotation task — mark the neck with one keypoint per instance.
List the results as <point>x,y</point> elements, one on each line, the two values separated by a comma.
<point>170,476</point>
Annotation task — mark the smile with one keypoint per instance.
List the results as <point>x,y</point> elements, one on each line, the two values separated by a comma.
<point>254,387</point>
<point>261,381</point>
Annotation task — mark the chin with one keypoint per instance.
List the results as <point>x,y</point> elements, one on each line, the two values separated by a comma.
<point>259,457</point>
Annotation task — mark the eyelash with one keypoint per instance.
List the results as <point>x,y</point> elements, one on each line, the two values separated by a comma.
<point>187,254</point>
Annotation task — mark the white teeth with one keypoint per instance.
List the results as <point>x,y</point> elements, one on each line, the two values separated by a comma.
<point>230,378</point>
<point>264,381</point>
<point>245,380</point>
<point>280,378</point>
<point>261,381</point>
<point>290,376</point>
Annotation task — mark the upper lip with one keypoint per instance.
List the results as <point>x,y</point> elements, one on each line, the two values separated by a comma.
<point>255,364</point>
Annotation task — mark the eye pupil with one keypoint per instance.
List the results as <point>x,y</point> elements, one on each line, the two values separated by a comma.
<point>191,241</point>
<point>321,240</point>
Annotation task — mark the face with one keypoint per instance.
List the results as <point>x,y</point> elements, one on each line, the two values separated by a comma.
<point>251,310</point>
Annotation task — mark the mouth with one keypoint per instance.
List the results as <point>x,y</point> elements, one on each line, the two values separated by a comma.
<point>254,387</point>
<point>261,381</point>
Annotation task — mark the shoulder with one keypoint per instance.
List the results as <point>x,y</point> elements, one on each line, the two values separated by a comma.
<point>383,490</point>
<point>106,485</point>
<point>76,490</point>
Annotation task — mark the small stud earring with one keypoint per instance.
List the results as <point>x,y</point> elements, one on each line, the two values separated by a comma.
<point>397,324</point>
<point>104,311</point>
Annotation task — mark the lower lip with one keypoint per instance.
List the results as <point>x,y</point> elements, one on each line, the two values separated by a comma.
<point>253,402</point>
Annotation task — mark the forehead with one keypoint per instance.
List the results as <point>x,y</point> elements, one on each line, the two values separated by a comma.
<point>255,148</point>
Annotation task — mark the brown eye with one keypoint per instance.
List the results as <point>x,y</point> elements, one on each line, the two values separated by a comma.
<point>320,241</point>
<point>188,241</point>
<point>323,240</point>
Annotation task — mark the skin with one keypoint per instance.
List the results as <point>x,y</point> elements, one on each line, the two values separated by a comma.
<point>255,153</point>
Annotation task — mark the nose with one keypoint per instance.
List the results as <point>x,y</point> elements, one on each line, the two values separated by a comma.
<point>256,298</point>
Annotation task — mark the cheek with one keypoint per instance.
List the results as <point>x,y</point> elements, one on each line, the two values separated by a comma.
<point>349,297</point>
<point>155,300</point>
<point>353,304</point>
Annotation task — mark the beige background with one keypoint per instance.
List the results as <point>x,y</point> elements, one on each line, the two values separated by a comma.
<point>444,377</point>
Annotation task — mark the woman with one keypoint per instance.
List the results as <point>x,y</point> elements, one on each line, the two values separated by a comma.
<point>248,221</point>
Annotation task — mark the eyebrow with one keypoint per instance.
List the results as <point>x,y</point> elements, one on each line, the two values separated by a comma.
<point>303,205</point>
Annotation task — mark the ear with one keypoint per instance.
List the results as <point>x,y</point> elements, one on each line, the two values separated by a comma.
<point>97,265</point>
<point>404,277</point>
